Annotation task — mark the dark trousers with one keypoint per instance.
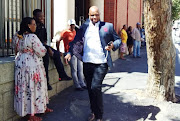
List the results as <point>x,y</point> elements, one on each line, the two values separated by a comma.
<point>57,62</point>
<point>94,75</point>
<point>46,64</point>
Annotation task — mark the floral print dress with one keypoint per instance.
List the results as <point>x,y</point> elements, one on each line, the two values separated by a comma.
<point>31,94</point>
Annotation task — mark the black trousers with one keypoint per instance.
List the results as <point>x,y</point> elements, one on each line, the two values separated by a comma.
<point>94,75</point>
<point>57,62</point>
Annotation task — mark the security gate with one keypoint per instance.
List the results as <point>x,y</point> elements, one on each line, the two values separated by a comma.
<point>11,14</point>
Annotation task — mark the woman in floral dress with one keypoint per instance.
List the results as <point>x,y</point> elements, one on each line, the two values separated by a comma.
<point>31,96</point>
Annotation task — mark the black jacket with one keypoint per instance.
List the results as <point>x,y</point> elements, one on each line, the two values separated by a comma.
<point>41,33</point>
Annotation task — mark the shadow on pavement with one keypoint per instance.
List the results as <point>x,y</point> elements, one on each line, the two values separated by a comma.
<point>72,105</point>
<point>110,86</point>
<point>131,64</point>
<point>116,110</point>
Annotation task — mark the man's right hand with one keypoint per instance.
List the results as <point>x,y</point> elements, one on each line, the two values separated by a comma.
<point>67,58</point>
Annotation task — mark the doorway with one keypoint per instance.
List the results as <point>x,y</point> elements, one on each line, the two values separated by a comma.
<point>81,11</point>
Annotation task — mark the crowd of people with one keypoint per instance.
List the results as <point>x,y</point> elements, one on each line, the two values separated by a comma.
<point>132,40</point>
<point>87,51</point>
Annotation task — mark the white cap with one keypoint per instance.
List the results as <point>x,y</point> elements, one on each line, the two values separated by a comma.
<point>71,21</point>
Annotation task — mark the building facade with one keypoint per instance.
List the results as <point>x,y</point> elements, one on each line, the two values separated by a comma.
<point>120,12</point>
<point>58,12</point>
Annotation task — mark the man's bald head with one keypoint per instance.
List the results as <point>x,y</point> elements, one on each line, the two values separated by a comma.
<point>93,8</point>
<point>94,14</point>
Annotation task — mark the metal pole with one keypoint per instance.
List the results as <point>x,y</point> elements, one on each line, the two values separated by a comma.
<point>3,27</point>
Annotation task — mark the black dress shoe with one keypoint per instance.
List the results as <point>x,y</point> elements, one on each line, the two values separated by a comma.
<point>49,87</point>
<point>79,89</point>
<point>138,56</point>
<point>67,78</point>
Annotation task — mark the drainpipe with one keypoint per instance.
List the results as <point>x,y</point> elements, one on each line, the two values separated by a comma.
<point>115,18</point>
<point>140,12</point>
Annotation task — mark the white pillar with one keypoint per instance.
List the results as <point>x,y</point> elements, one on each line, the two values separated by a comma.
<point>48,20</point>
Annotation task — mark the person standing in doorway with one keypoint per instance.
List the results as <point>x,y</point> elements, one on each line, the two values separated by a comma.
<point>92,44</point>
<point>76,65</point>
<point>54,54</point>
<point>137,41</point>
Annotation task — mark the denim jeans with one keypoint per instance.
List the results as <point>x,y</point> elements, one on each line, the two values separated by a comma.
<point>94,75</point>
<point>136,48</point>
<point>46,63</point>
<point>77,72</point>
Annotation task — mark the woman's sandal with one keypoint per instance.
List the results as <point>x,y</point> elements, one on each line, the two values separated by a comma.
<point>48,110</point>
<point>34,118</point>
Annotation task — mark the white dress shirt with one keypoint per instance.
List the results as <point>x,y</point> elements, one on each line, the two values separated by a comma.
<point>93,51</point>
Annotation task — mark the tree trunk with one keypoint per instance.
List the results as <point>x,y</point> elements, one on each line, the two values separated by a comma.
<point>160,49</point>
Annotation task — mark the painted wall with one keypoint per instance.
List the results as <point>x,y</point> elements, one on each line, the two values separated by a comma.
<point>120,12</point>
<point>100,5</point>
<point>135,11</point>
<point>109,11</point>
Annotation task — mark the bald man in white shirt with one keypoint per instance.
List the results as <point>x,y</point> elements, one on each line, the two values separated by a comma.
<point>91,46</point>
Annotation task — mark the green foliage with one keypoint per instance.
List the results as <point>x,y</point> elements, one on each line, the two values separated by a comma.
<point>175,9</point>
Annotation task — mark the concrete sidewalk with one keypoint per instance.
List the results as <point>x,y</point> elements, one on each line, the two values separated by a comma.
<point>124,97</point>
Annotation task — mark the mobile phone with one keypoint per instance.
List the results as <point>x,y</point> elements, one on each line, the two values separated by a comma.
<point>109,44</point>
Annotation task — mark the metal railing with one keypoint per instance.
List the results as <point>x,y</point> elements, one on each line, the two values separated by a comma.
<point>9,24</point>
<point>11,13</point>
